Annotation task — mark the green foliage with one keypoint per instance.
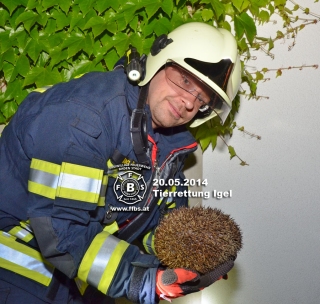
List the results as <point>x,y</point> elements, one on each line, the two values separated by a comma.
<point>44,42</point>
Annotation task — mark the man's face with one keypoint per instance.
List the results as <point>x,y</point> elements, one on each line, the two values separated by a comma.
<point>169,107</point>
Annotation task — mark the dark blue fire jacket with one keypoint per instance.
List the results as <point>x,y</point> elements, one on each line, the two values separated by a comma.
<point>65,157</point>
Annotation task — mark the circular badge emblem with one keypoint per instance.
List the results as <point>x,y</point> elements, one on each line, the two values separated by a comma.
<point>129,187</point>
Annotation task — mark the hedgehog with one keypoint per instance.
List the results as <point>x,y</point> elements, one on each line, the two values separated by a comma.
<point>198,238</point>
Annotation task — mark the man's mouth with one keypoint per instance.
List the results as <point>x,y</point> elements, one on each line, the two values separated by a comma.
<point>176,113</point>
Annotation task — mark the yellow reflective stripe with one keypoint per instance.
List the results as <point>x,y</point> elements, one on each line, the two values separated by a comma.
<point>41,190</point>
<point>103,190</point>
<point>101,260</point>
<point>112,266</point>
<point>148,242</point>
<point>42,89</point>
<point>43,178</point>
<point>68,181</point>
<point>112,172</point>
<point>79,183</point>
<point>79,170</point>
<point>112,228</point>
<point>24,260</point>
<point>21,234</point>
<point>78,76</point>
<point>45,166</point>
<point>82,286</point>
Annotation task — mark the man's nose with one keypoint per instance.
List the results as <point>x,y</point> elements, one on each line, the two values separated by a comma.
<point>189,101</point>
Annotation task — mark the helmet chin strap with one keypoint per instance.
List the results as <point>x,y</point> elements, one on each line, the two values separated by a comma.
<point>135,69</point>
<point>138,128</point>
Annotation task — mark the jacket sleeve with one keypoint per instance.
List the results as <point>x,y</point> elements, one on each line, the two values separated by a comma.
<point>68,148</point>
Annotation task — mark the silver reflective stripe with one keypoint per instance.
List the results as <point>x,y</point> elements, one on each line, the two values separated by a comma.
<point>22,234</point>
<point>77,182</point>
<point>24,260</point>
<point>103,190</point>
<point>44,178</point>
<point>101,260</point>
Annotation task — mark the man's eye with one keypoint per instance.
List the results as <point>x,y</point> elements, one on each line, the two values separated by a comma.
<point>185,80</point>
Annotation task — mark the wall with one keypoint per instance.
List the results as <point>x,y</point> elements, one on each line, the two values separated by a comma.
<point>275,199</point>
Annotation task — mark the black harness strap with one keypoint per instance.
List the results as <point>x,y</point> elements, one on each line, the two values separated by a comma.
<point>138,128</point>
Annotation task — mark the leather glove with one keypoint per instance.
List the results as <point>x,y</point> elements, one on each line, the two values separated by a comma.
<point>174,283</point>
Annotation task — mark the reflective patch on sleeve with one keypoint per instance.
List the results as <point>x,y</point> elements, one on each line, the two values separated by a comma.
<point>43,178</point>
<point>82,286</point>
<point>24,260</point>
<point>21,234</point>
<point>68,181</point>
<point>79,183</point>
<point>103,190</point>
<point>148,242</point>
<point>101,261</point>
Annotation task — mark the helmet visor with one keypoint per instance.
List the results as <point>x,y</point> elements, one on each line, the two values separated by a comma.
<point>194,89</point>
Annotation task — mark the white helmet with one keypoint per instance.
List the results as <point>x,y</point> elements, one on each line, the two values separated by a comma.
<point>208,53</point>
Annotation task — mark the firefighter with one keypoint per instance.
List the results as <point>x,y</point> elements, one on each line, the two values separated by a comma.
<point>76,151</point>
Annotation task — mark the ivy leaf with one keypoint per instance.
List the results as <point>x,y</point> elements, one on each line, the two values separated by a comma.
<point>259,76</point>
<point>163,26</point>
<point>57,55</point>
<point>128,10</point>
<point>232,152</point>
<point>271,44</point>
<point>65,5</point>
<point>28,18</point>
<point>5,41</point>
<point>23,65</point>
<point>114,4</point>
<point>213,139</point>
<point>279,2</point>
<point>4,16</point>
<point>264,16</point>
<point>136,41</point>
<point>9,56</point>
<point>8,71</point>
<point>9,108</point>
<point>167,7</point>
<point>111,58</point>
<point>13,4</point>
<point>61,19</point>
<point>33,49</point>
<point>41,77</point>
<point>77,20</point>
<point>218,8</point>
<point>32,4</point>
<point>134,23</point>
<point>245,24</point>
<point>82,67</point>
<point>121,43</point>
<point>203,135</point>
<point>86,6</point>
<point>151,6</point>
<point>48,3</point>
<point>122,23</point>
<point>241,5</point>
<point>14,89</point>
<point>74,44</point>
<point>2,118</point>
<point>97,24</point>
<point>102,5</point>
<point>206,14</point>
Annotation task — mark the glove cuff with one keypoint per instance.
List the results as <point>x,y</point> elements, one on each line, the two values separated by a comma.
<point>136,284</point>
